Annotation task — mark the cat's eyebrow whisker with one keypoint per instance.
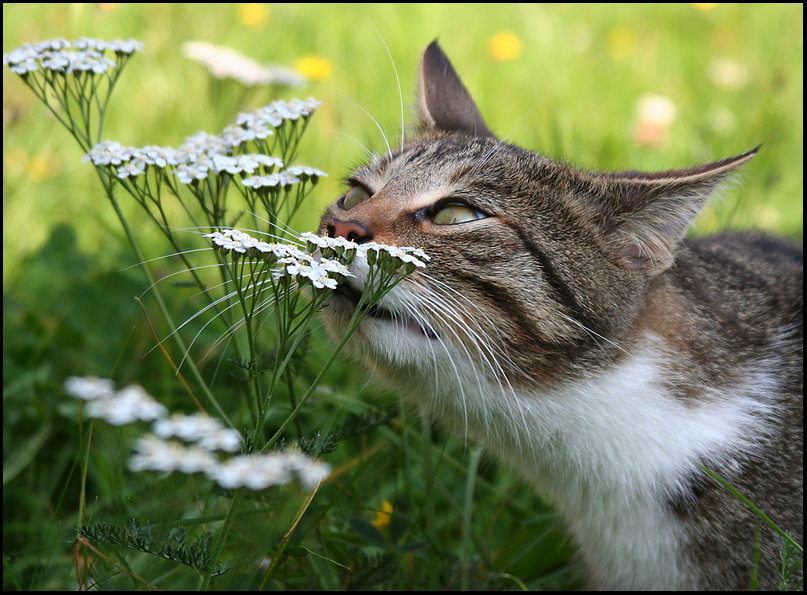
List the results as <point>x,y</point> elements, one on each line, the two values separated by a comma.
<point>370,154</point>
<point>394,69</point>
<point>369,115</point>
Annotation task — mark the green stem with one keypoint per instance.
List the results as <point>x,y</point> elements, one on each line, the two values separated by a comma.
<point>158,296</point>
<point>204,583</point>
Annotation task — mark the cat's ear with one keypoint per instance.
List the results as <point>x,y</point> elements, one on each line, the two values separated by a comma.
<point>445,103</point>
<point>644,216</point>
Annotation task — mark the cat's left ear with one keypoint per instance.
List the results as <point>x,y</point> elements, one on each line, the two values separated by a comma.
<point>445,103</point>
<point>644,216</point>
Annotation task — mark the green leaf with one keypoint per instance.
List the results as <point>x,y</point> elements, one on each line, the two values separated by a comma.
<point>367,532</point>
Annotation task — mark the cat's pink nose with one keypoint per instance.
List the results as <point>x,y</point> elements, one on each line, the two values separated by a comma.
<point>351,230</point>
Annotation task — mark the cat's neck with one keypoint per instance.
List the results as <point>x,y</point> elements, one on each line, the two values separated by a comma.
<point>612,450</point>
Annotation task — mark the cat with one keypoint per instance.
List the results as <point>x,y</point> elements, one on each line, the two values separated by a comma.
<point>566,324</point>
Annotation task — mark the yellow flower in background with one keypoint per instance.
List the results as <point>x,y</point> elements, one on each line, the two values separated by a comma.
<point>253,14</point>
<point>382,517</point>
<point>704,5</point>
<point>620,43</point>
<point>505,46</point>
<point>314,68</point>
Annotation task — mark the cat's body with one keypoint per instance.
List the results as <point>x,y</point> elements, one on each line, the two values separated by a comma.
<point>565,324</point>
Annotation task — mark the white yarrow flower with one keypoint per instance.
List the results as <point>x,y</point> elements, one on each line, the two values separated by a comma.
<point>261,471</point>
<point>155,454</point>
<point>89,387</point>
<point>126,406</point>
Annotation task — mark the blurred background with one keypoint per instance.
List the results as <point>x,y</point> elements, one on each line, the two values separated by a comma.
<point>648,87</point>
<point>604,87</point>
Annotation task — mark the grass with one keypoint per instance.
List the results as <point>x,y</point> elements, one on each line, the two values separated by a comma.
<point>456,522</point>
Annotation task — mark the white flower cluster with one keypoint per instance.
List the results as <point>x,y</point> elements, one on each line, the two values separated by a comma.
<point>84,55</point>
<point>189,443</point>
<point>115,407</point>
<point>260,471</point>
<point>155,454</point>
<point>296,263</point>
<point>292,175</point>
<point>372,251</point>
<point>224,62</point>
<point>204,153</point>
<point>201,428</point>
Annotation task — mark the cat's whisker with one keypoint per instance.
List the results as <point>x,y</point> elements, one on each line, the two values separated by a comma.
<point>593,334</point>
<point>369,115</point>
<point>237,324</point>
<point>482,346</point>
<point>495,337</point>
<point>494,348</point>
<point>182,272</point>
<point>213,305</point>
<point>370,154</point>
<point>163,257</point>
<point>394,69</point>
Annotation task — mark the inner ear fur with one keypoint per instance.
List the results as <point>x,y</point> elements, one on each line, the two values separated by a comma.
<point>646,215</point>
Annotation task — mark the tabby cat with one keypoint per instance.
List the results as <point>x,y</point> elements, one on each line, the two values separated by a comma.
<point>566,324</point>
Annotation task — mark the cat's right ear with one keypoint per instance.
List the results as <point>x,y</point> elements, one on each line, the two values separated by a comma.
<point>445,104</point>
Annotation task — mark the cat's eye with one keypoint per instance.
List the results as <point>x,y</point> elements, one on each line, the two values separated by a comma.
<point>353,197</point>
<point>454,213</point>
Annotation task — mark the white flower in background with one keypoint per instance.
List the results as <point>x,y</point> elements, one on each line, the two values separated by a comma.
<point>224,62</point>
<point>89,387</point>
<point>108,153</point>
<point>126,406</point>
<point>261,471</point>
<point>128,46</point>
<point>159,156</point>
<point>201,428</point>
<point>115,407</point>
<point>155,454</point>
<point>728,73</point>
<point>281,179</point>
<point>655,115</point>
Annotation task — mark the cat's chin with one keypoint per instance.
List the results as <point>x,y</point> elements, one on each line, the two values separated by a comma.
<point>347,298</point>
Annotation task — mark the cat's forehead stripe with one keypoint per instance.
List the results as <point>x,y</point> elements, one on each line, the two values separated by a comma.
<point>408,196</point>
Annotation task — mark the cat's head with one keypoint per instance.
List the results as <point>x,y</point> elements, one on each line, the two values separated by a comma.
<point>537,269</point>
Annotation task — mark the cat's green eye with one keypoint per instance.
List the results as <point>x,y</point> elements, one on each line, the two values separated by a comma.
<point>354,196</point>
<point>454,213</point>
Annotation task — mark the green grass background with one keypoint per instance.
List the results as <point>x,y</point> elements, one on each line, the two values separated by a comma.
<point>572,94</point>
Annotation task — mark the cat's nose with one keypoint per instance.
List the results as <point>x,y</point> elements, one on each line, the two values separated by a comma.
<point>351,230</point>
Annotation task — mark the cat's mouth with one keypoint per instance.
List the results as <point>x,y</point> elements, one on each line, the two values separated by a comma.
<point>378,312</point>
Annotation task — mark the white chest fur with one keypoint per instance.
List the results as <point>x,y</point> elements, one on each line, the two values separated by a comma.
<point>607,451</point>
